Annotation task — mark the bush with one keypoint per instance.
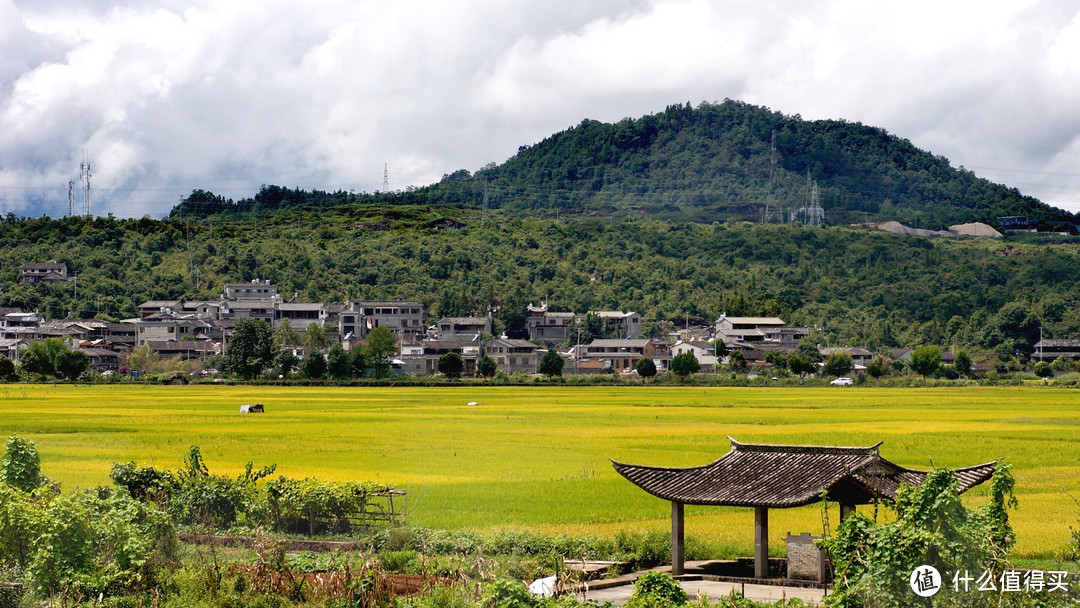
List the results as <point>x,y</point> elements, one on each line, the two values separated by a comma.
<point>656,590</point>
<point>21,467</point>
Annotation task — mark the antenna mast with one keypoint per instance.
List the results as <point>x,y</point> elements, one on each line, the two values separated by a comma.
<point>84,173</point>
<point>487,206</point>
<point>71,197</point>
<point>386,178</point>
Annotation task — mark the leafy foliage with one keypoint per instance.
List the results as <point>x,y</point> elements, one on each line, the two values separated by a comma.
<point>925,360</point>
<point>380,350</point>
<point>487,366</point>
<point>451,365</point>
<point>685,364</point>
<point>837,364</point>
<point>932,527</point>
<point>251,348</point>
<point>646,367</point>
<point>21,465</point>
<point>551,364</point>
<point>657,590</point>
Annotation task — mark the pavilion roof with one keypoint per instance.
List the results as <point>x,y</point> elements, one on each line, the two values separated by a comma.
<point>780,476</point>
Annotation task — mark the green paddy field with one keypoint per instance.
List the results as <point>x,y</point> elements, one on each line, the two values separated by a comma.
<point>538,457</point>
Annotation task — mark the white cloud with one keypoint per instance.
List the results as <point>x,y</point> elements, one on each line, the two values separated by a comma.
<point>168,96</point>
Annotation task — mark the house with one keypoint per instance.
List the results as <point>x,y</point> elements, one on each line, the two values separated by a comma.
<point>153,307</point>
<point>860,357</point>
<point>261,310</point>
<point>462,328</point>
<point>185,349</point>
<point>704,352</point>
<point>746,329</point>
<point>300,314</point>
<point>19,324</point>
<point>10,347</point>
<point>514,356</point>
<point>784,338</point>
<point>170,327</point>
<point>625,324</point>
<point>51,272</point>
<point>547,326</point>
<point>423,359</point>
<point>1049,349</point>
<point>620,355</point>
<point>103,359</point>
<point>255,290</point>
<point>403,317</point>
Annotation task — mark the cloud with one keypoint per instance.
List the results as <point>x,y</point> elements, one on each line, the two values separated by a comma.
<point>169,96</point>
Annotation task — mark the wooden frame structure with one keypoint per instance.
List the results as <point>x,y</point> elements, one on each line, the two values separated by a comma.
<point>766,476</point>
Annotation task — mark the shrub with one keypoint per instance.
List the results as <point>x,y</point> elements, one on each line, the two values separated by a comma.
<point>656,590</point>
<point>21,467</point>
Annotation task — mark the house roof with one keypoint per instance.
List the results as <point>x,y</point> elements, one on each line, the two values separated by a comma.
<point>161,304</point>
<point>851,350</point>
<point>780,476</point>
<point>512,343</point>
<point>606,343</point>
<point>300,306</point>
<point>611,314</point>
<point>46,266</point>
<point>464,320</point>
<point>754,320</point>
<point>1059,342</point>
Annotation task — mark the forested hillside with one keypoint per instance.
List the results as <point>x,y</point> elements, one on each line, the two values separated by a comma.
<point>862,287</point>
<point>716,162</point>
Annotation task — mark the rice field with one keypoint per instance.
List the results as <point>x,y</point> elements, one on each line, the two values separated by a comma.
<point>538,457</point>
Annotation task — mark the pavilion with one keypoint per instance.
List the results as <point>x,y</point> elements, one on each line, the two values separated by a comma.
<point>766,477</point>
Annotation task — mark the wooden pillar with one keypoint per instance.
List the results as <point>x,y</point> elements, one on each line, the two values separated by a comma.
<point>846,510</point>
<point>761,542</point>
<point>677,561</point>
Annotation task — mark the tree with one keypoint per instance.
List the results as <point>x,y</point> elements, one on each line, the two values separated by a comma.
<point>337,362</point>
<point>878,367</point>
<point>925,360</point>
<point>381,348</point>
<point>837,364</point>
<point>685,364</point>
<point>962,363</point>
<point>250,349</point>
<point>646,367</point>
<point>776,359</point>
<point>808,348</point>
<point>1043,370</point>
<point>7,370</point>
<point>21,467</point>
<point>800,364</point>
<point>551,364</point>
<point>286,362</point>
<point>487,366</point>
<point>40,358</point>
<point>451,365</point>
<point>71,364</point>
<point>357,363</point>
<point>314,365</point>
<point>285,335</point>
<point>315,337</point>
<point>737,361</point>
<point>144,360</point>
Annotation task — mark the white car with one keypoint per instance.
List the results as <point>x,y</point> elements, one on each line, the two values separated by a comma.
<point>842,382</point>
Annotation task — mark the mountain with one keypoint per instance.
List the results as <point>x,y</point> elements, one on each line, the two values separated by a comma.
<point>716,162</point>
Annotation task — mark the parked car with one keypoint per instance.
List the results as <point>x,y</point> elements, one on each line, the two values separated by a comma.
<point>842,382</point>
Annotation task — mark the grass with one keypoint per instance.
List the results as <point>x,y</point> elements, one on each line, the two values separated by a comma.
<point>538,457</point>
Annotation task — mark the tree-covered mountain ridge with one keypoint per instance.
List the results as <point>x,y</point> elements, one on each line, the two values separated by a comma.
<point>715,162</point>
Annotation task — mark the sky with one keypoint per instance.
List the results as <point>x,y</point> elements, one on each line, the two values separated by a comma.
<point>166,96</point>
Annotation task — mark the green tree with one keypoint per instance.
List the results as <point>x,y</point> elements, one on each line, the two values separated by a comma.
<point>646,367</point>
<point>337,362</point>
<point>451,365</point>
<point>808,348</point>
<point>776,358</point>
<point>144,360</point>
<point>7,370</point>
<point>837,364</point>
<point>315,337</point>
<point>357,362</point>
<point>380,351</point>
<point>487,366</point>
<point>40,358</point>
<point>800,364</point>
<point>962,363</point>
<point>21,466</point>
<point>314,365</point>
<point>737,361</point>
<point>878,367</point>
<point>286,363</point>
<point>285,335</point>
<point>551,364</point>
<point>685,364</point>
<point>71,364</point>
<point>1043,370</point>
<point>251,349</point>
<point>925,360</point>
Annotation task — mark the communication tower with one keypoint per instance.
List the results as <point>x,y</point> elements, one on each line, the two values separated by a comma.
<point>84,173</point>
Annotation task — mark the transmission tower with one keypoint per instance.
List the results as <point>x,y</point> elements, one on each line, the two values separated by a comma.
<point>84,173</point>
<point>386,177</point>
<point>71,197</point>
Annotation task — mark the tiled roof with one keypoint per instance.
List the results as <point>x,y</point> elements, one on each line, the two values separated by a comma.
<point>779,476</point>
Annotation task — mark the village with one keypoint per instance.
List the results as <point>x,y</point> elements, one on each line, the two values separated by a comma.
<point>198,330</point>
